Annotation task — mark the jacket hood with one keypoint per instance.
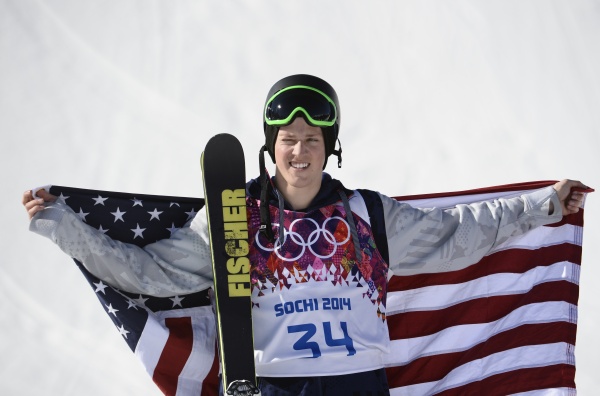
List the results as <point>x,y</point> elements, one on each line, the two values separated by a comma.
<point>327,195</point>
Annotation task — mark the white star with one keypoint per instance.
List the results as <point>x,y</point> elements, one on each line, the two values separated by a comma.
<point>111,310</point>
<point>141,301</point>
<point>154,214</point>
<point>172,229</point>
<point>102,230</point>
<point>62,198</point>
<point>123,331</point>
<point>174,203</point>
<point>82,214</point>
<point>118,215</point>
<point>191,214</point>
<point>99,200</point>
<point>137,202</point>
<point>131,304</point>
<point>177,301</point>
<point>100,287</point>
<point>138,231</point>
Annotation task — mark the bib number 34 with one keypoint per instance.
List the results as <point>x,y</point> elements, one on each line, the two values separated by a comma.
<point>306,341</point>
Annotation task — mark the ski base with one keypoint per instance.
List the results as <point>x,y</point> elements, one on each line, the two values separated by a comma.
<point>224,175</point>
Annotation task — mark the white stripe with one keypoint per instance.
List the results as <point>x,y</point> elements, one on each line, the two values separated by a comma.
<point>549,392</point>
<point>151,343</point>
<point>448,202</point>
<point>442,296</point>
<point>464,337</point>
<point>541,237</point>
<point>201,359</point>
<point>502,362</point>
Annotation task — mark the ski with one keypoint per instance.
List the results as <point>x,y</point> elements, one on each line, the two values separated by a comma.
<point>224,177</point>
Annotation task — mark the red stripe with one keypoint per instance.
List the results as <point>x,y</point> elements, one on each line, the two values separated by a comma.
<point>486,190</point>
<point>175,354</point>
<point>524,380</point>
<point>435,368</point>
<point>481,310</point>
<point>575,219</point>
<point>210,384</point>
<point>512,260</point>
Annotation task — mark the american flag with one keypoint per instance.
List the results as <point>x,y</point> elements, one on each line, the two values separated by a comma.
<point>174,337</point>
<point>504,325</point>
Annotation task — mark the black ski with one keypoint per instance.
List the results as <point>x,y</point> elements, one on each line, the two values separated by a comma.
<point>224,175</point>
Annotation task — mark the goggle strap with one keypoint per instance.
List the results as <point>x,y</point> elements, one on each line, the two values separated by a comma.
<point>265,215</point>
<point>338,153</point>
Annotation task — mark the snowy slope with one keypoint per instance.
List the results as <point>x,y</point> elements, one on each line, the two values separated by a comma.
<point>435,96</point>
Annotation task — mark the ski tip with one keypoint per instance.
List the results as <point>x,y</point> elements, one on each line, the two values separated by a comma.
<point>223,144</point>
<point>220,137</point>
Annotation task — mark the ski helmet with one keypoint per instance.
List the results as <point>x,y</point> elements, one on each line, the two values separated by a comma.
<point>305,96</point>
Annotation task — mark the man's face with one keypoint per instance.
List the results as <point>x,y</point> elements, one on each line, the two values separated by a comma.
<point>299,155</point>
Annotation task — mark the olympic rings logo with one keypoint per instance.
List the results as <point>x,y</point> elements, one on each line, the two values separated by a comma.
<point>294,236</point>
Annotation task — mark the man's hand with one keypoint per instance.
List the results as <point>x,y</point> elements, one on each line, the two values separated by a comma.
<point>34,205</point>
<point>571,194</point>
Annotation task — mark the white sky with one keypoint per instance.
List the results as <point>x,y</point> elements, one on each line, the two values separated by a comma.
<point>435,96</point>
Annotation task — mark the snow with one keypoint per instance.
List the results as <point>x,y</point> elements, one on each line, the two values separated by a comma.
<point>122,96</point>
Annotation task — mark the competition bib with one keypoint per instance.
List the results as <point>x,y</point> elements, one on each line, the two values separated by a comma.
<point>316,305</point>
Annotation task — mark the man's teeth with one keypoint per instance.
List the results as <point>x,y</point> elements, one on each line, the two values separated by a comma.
<point>299,165</point>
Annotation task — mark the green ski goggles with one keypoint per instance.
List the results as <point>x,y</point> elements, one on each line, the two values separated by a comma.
<point>318,108</point>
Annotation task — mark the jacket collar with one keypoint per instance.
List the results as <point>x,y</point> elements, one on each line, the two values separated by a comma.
<point>327,195</point>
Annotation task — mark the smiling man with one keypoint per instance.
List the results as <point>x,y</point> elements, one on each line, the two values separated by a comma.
<point>300,153</point>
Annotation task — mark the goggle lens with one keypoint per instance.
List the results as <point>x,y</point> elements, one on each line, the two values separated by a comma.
<point>318,108</point>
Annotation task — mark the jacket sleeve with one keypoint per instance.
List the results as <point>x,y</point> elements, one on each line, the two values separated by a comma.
<point>178,265</point>
<point>439,240</point>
